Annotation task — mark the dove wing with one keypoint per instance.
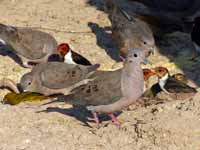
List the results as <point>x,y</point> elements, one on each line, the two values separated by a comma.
<point>61,75</point>
<point>104,89</point>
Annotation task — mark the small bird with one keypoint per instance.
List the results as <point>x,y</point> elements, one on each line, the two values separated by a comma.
<point>147,74</point>
<point>31,46</point>
<point>70,56</point>
<point>56,78</point>
<point>111,91</point>
<point>195,37</point>
<point>180,77</point>
<point>129,32</point>
<point>172,85</point>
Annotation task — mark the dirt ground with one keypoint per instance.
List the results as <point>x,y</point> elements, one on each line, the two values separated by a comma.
<point>171,126</point>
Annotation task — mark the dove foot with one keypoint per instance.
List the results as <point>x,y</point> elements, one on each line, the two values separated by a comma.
<point>115,121</point>
<point>96,119</point>
<point>27,65</point>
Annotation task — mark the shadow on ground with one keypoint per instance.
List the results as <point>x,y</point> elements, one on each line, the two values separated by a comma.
<point>5,51</point>
<point>80,113</point>
<point>104,40</point>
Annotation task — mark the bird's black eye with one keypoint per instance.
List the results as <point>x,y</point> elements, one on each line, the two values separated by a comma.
<point>29,83</point>
<point>145,42</point>
<point>135,55</point>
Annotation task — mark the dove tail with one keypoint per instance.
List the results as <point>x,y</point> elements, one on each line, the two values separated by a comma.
<point>93,67</point>
<point>112,6</point>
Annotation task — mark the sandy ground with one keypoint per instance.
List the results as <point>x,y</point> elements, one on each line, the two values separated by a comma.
<point>171,126</point>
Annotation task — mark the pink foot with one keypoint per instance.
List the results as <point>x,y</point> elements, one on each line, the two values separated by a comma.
<point>122,58</point>
<point>26,65</point>
<point>114,119</point>
<point>96,119</point>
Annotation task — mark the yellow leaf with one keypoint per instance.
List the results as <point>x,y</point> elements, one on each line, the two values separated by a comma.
<point>16,98</point>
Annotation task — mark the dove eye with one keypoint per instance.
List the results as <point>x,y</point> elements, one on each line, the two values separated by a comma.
<point>135,55</point>
<point>145,42</point>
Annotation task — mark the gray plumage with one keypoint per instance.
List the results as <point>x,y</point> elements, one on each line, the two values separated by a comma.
<point>28,44</point>
<point>129,32</point>
<point>113,90</point>
<point>56,78</point>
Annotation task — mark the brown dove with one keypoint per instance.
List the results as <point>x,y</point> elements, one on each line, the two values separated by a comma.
<point>31,46</point>
<point>129,32</point>
<point>56,78</point>
<point>112,91</point>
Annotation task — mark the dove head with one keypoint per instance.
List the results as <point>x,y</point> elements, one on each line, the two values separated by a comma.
<point>63,49</point>
<point>148,43</point>
<point>161,72</point>
<point>148,73</point>
<point>26,82</point>
<point>136,56</point>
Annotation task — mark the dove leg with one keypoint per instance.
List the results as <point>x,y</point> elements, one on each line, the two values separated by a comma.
<point>96,119</point>
<point>114,119</point>
<point>26,65</point>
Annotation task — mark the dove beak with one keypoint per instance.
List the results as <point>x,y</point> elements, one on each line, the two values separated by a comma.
<point>146,61</point>
<point>152,49</point>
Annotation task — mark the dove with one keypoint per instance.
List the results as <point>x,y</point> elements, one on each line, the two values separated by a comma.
<point>31,46</point>
<point>70,56</point>
<point>55,78</point>
<point>111,91</point>
<point>147,74</point>
<point>172,85</point>
<point>129,32</point>
<point>195,37</point>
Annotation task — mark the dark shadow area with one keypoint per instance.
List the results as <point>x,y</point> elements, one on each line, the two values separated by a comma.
<point>104,40</point>
<point>176,46</point>
<point>78,112</point>
<point>99,4</point>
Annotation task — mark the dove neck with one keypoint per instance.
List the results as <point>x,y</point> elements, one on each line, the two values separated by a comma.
<point>132,68</point>
<point>132,80</point>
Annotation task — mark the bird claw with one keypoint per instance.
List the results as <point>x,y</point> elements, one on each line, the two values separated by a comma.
<point>115,121</point>
<point>26,65</point>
